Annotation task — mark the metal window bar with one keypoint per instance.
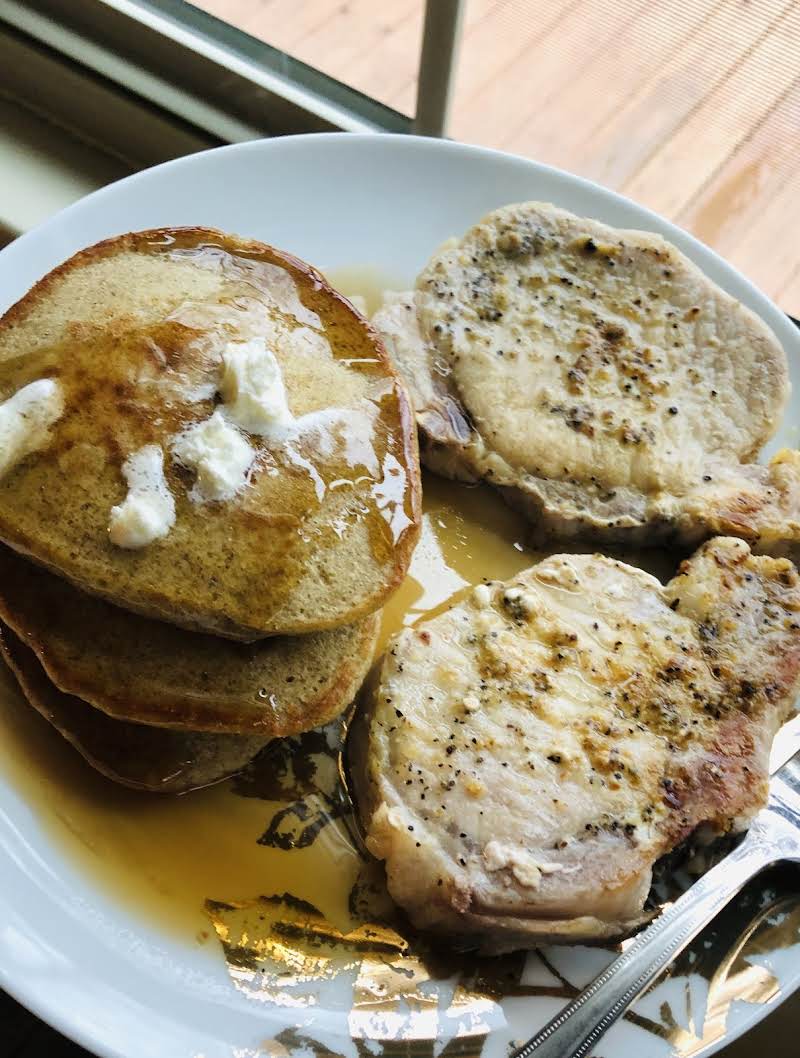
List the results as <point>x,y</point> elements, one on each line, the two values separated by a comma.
<point>441,37</point>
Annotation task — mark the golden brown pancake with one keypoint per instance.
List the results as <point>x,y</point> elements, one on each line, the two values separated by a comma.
<point>143,757</point>
<point>132,336</point>
<point>144,671</point>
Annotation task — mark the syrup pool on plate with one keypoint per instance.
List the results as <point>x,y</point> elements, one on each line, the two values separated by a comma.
<point>164,857</point>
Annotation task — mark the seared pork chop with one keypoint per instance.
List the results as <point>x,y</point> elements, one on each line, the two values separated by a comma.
<point>525,758</point>
<point>599,379</point>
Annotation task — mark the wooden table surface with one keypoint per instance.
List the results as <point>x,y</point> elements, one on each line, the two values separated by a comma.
<point>691,107</point>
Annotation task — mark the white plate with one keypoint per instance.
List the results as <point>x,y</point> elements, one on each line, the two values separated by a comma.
<point>67,950</point>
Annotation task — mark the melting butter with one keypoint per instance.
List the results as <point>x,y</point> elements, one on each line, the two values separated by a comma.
<point>25,421</point>
<point>148,511</point>
<point>252,389</point>
<point>218,454</point>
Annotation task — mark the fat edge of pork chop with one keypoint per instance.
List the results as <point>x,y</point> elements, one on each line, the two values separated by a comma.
<point>524,759</point>
<point>536,375</point>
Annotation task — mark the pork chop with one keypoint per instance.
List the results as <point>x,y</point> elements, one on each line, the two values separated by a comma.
<point>600,380</point>
<point>523,759</point>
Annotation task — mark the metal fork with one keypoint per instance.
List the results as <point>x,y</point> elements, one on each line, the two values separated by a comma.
<point>774,835</point>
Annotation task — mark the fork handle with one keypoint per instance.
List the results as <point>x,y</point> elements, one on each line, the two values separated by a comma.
<point>579,1026</point>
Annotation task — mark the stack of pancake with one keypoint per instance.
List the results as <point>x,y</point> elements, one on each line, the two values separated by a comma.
<point>208,487</point>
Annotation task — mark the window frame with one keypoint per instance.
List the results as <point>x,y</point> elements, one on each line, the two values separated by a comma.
<point>202,71</point>
<point>144,81</point>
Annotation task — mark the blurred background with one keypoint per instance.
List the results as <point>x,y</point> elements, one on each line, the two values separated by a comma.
<point>691,107</point>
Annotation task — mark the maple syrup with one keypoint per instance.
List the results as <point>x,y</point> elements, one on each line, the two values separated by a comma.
<point>162,857</point>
